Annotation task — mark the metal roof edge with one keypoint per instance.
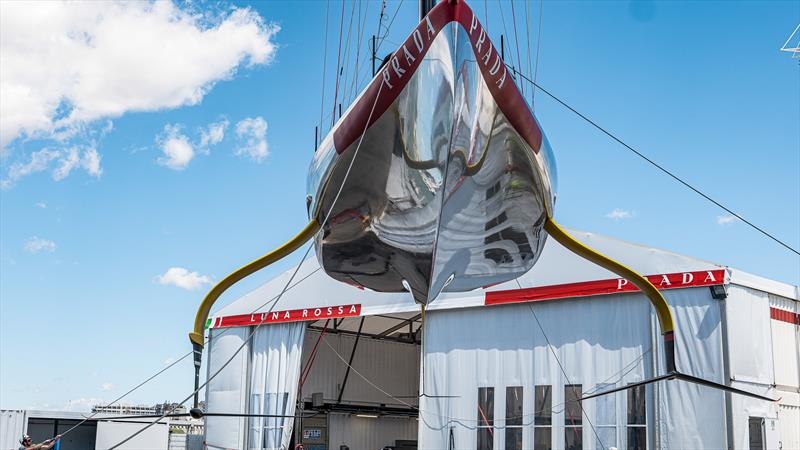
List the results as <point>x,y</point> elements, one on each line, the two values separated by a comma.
<point>749,280</point>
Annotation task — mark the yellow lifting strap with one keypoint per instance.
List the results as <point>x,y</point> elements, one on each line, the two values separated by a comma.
<point>308,232</point>
<point>658,301</point>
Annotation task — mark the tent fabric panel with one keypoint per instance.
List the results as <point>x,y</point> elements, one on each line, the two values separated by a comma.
<point>369,433</point>
<point>689,415</point>
<point>392,367</point>
<point>785,343</point>
<point>274,374</point>
<point>749,335</point>
<point>764,284</point>
<point>227,392</point>
<point>603,341</point>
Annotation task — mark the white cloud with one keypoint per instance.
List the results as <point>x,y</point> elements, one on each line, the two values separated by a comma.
<point>213,134</point>
<point>619,214</point>
<point>65,65</point>
<point>106,387</point>
<point>726,220</point>
<point>36,244</point>
<point>252,133</point>
<point>41,205</point>
<point>62,162</point>
<point>178,152</point>
<point>169,361</point>
<point>182,278</point>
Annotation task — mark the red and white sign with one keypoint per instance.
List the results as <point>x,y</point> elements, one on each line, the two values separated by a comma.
<point>602,287</point>
<point>294,315</point>
<point>784,316</point>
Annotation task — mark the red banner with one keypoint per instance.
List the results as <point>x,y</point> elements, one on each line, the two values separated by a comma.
<point>602,287</point>
<point>294,315</point>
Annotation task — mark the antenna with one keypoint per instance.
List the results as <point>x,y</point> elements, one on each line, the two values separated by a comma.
<point>792,45</point>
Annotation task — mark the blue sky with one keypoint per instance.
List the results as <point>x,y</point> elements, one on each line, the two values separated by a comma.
<point>128,188</point>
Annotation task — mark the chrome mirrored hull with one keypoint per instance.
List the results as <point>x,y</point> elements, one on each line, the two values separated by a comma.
<point>438,178</point>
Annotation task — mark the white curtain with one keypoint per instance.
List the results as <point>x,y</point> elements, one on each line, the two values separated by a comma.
<point>599,340</point>
<point>226,393</point>
<point>274,375</point>
<point>690,415</point>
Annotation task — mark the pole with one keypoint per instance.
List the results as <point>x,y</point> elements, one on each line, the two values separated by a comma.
<point>316,138</point>
<point>502,49</point>
<point>374,51</point>
<point>425,6</point>
<point>198,357</point>
<point>350,364</point>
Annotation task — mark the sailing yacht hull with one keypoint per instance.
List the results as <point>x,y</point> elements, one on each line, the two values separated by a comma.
<point>438,177</point>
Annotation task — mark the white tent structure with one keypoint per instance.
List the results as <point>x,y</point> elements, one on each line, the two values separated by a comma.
<point>499,367</point>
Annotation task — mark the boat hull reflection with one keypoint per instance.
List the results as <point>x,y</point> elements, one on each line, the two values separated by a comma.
<point>438,178</point>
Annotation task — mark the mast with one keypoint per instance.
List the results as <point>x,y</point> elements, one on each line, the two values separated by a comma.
<point>424,7</point>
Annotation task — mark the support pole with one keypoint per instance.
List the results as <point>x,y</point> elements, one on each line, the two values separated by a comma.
<point>316,138</point>
<point>350,363</point>
<point>425,6</point>
<point>374,55</point>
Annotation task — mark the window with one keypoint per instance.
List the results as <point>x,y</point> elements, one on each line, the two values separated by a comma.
<point>573,415</point>
<point>637,419</point>
<point>485,418</point>
<point>755,426</point>
<point>606,417</point>
<point>543,418</point>
<point>514,418</point>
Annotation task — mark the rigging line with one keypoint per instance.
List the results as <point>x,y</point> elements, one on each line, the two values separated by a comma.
<point>355,84</point>
<point>225,330</point>
<point>360,35</point>
<point>338,63</point>
<point>563,371</point>
<point>285,288</point>
<point>516,41</point>
<point>486,15</point>
<point>505,30</point>
<point>528,37</point>
<point>127,393</point>
<point>91,416</point>
<point>324,64</point>
<point>538,45</point>
<point>389,26</point>
<point>380,18</point>
<point>346,69</point>
<point>662,169</point>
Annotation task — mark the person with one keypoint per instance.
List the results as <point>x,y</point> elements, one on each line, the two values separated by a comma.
<point>27,443</point>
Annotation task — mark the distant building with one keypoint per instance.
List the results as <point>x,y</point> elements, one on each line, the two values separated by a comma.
<point>141,410</point>
<point>126,410</point>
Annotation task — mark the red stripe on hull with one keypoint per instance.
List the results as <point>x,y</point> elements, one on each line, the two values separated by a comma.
<point>399,70</point>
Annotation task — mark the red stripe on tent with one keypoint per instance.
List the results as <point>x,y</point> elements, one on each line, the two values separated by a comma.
<point>294,315</point>
<point>602,287</point>
<point>784,316</point>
